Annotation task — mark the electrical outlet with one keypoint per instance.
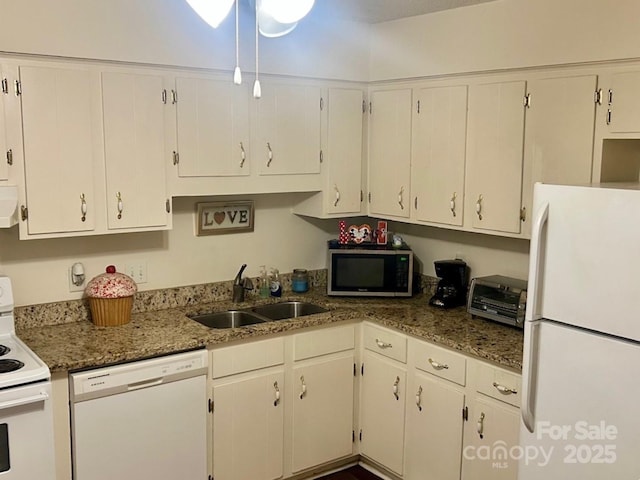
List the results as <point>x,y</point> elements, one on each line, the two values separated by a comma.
<point>137,270</point>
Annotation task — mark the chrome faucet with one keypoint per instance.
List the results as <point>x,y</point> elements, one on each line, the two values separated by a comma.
<point>240,285</point>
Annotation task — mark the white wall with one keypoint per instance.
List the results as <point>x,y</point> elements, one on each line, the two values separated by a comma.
<point>39,268</point>
<point>169,32</point>
<point>505,34</point>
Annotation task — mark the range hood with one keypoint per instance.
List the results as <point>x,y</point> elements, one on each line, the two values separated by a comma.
<point>8,206</point>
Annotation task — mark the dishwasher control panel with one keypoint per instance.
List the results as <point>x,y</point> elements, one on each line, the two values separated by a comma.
<point>137,375</point>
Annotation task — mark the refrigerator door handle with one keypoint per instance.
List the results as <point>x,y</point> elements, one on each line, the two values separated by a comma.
<point>535,264</point>
<point>529,373</point>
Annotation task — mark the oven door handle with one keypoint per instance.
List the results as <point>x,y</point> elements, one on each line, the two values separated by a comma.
<point>41,397</point>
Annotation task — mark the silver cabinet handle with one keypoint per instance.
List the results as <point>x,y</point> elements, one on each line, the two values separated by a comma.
<point>382,344</point>
<point>270,154</point>
<point>120,205</point>
<point>303,388</point>
<point>419,398</point>
<point>452,204</point>
<point>480,425</point>
<point>335,187</point>
<point>276,400</point>
<point>400,201</point>
<point>243,155</point>
<point>395,388</point>
<point>505,390</point>
<point>437,365</point>
<point>83,207</point>
<point>479,207</point>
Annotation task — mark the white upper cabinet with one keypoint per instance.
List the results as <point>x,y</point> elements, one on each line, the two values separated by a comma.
<point>289,122</point>
<point>623,102</point>
<point>4,147</point>
<point>495,156</point>
<point>343,154</point>
<point>59,150</point>
<point>213,127</point>
<point>390,152</point>
<point>559,133</point>
<point>438,154</point>
<point>134,140</point>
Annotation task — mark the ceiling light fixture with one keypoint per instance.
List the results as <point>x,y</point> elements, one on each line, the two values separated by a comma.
<point>287,11</point>
<point>212,11</point>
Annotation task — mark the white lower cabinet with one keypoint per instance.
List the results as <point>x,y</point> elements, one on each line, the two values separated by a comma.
<point>248,410</point>
<point>305,381</point>
<point>382,397</point>
<point>435,406</point>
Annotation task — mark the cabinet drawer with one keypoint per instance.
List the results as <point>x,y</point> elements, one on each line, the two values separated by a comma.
<point>385,342</point>
<point>439,361</point>
<point>323,342</point>
<point>247,357</point>
<point>498,383</point>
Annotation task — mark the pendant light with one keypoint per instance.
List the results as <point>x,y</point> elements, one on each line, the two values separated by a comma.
<point>237,75</point>
<point>257,90</point>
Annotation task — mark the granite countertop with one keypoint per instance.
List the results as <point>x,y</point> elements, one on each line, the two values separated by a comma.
<point>81,344</point>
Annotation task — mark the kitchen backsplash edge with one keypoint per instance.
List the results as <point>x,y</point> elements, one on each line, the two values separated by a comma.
<point>70,311</point>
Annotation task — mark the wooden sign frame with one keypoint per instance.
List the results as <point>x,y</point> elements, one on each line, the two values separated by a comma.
<point>215,218</point>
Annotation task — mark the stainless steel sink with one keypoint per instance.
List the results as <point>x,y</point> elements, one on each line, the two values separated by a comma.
<point>228,319</point>
<point>284,310</point>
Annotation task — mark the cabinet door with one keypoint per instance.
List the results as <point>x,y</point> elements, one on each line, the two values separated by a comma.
<point>289,130</point>
<point>390,153</point>
<point>58,127</point>
<point>434,429</point>
<point>322,411</point>
<point>490,433</point>
<point>437,165</point>
<point>134,136</point>
<point>213,127</point>
<point>494,157</point>
<point>382,403</point>
<point>559,133</point>
<point>4,93</point>
<point>248,427</point>
<point>623,100</point>
<point>344,151</point>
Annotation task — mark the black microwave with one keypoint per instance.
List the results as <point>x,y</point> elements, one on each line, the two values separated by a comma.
<point>369,270</point>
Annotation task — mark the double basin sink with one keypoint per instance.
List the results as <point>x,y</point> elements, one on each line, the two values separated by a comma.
<point>259,314</point>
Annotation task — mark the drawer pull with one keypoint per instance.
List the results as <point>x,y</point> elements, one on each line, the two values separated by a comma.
<point>504,390</point>
<point>395,388</point>
<point>277,394</point>
<point>303,388</point>
<point>437,365</point>
<point>419,398</point>
<point>382,344</point>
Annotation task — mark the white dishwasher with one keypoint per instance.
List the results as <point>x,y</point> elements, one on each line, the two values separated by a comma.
<point>141,420</point>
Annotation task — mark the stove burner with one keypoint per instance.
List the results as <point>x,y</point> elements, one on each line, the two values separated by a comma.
<point>10,365</point>
<point>4,350</point>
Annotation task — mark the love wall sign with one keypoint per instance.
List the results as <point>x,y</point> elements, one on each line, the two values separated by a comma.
<point>213,218</point>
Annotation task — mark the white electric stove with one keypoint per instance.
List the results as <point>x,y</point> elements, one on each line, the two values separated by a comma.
<point>26,418</point>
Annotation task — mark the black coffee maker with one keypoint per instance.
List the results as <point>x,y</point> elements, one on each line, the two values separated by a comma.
<point>452,287</point>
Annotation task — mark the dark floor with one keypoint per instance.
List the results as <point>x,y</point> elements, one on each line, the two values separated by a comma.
<point>353,473</point>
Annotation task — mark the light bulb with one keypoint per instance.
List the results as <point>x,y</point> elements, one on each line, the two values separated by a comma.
<point>212,11</point>
<point>287,11</point>
<point>257,90</point>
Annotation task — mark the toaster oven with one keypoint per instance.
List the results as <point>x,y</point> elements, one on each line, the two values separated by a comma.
<point>498,298</point>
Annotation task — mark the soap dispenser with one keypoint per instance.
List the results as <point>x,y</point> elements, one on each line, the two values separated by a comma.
<point>276,285</point>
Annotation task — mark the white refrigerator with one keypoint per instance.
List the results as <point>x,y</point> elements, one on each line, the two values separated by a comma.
<point>581,370</point>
